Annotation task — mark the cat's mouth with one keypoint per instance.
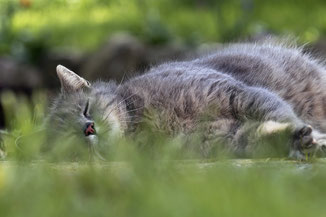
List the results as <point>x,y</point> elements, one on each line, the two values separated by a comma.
<point>89,129</point>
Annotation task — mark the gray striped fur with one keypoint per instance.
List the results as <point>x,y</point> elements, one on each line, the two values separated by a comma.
<point>274,85</point>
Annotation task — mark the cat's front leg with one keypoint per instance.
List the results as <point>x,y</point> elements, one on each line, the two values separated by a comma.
<point>300,137</point>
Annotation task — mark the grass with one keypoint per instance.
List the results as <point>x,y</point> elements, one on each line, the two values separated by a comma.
<point>132,183</point>
<point>140,188</point>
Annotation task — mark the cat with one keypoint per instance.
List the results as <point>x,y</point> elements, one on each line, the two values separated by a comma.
<point>263,87</point>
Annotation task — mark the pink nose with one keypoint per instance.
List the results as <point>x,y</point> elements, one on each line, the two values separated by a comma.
<point>89,129</point>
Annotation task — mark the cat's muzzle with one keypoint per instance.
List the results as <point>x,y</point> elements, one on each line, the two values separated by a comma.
<point>89,129</point>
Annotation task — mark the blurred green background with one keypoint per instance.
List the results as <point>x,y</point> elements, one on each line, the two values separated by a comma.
<point>110,39</point>
<point>29,26</point>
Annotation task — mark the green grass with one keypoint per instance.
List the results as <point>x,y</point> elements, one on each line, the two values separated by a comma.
<point>156,188</point>
<point>133,183</point>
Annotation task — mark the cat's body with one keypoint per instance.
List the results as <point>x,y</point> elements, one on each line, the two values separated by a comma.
<point>225,90</point>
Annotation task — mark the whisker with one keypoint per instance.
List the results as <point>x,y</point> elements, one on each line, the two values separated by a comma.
<point>132,110</point>
<point>135,122</point>
<point>119,103</point>
<point>123,100</point>
<point>119,85</point>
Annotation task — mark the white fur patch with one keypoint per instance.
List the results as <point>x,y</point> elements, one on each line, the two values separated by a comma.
<point>270,127</point>
<point>92,139</point>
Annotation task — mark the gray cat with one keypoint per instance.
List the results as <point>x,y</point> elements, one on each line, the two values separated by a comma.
<point>262,87</point>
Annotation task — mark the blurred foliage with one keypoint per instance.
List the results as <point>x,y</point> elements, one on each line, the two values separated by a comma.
<point>23,45</point>
<point>85,24</point>
<point>142,188</point>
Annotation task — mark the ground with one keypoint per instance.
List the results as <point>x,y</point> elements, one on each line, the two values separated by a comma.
<point>164,188</point>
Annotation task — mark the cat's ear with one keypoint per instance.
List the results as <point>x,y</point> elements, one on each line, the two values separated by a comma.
<point>70,81</point>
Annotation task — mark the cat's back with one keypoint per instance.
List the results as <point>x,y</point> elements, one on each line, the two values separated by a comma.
<point>267,64</point>
<point>284,69</point>
<point>280,68</point>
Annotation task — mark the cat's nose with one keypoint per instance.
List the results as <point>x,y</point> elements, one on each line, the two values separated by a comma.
<point>89,129</point>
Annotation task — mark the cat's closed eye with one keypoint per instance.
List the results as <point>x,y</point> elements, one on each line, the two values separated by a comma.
<point>86,110</point>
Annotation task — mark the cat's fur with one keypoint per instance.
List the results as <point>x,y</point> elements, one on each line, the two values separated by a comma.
<point>269,83</point>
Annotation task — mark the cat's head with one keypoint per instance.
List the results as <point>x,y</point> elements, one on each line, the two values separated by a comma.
<point>85,111</point>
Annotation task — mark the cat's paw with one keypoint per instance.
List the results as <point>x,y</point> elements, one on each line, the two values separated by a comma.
<point>303,143</point>
<point>321,150</point>
<point>321,143</point>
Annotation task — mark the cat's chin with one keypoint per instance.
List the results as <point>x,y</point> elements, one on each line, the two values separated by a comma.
<point>94,153</point>
<point>92,139</point>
